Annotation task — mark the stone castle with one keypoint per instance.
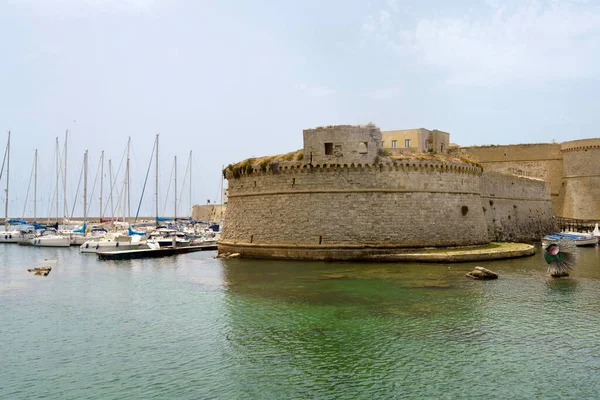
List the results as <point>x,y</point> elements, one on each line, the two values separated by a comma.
<point>344,197</point>
<point>572,169</point>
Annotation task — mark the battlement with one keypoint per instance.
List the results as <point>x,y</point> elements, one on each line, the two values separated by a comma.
<point>382,164</point>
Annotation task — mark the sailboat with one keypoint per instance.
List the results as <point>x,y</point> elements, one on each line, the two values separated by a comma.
<point>11,235</point>
<point>129,240</point>
<point>78,236</point>
<point>50,237</point>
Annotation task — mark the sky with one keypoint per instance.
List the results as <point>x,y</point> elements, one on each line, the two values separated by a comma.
<point>229,80</point>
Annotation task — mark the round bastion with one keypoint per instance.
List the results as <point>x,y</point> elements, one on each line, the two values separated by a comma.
<point>351,211</point>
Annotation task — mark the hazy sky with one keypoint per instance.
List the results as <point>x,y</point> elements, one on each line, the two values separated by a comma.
<point>230,80</point>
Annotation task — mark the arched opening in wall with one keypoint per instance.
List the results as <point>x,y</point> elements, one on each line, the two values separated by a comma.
<point>328,149</point>
<point>464,210</point>
<point>363,148</point>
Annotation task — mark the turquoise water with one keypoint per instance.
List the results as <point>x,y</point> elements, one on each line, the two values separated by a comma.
<point>192,327</point>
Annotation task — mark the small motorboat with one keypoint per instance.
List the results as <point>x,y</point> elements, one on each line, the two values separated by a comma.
<point>580,239</point>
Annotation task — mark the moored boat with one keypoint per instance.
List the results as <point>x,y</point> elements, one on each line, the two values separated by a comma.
<point>580,239</point>
<point>113,241</point>
<point>50,238</point>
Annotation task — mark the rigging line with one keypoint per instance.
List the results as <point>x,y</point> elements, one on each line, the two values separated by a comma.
<point>115,182</point>
<point>4,161</point>
<point>145,181</point>
<point>94,187</point>
<point>168,190</point>
<point>55,191</point>
<point>119,201</point>
<point>77,192</point>
<point>182,186</point>
<point>27,195</point>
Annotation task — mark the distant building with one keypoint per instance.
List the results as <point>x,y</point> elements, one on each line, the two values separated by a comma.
<point>418,140</point>
<point>209,212</point>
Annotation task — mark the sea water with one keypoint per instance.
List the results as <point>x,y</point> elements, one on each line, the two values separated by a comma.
<point>194,327</point>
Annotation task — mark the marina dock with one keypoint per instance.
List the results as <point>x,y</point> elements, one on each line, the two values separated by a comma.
<point>148,253</point>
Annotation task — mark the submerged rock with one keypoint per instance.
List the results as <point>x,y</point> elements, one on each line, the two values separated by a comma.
<point>332,276</point>
<point>42,271</point>
<point>228,255</point>
<point>482,274</point>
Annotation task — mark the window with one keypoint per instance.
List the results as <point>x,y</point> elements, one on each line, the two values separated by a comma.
<point>363,148</point>
<point>394,144</point>
<point>407,143</point>
<point>328,149</point>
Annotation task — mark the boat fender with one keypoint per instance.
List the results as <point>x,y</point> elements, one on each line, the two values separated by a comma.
<point>117,244</point>
<point>5,237</point>
<point>97,246</point>
<point>87,245</point>
<point>10,236</point>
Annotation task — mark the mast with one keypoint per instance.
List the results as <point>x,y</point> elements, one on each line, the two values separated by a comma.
<point>175,215</point>
<point>191,206</point>
<point>85,176</point>
<point>57,175</point>
<point>101,179</point>
<point>65,177</point>
<point>128,176</point>
<point>6,190</point>
<point>112,208</point>
<point>35,186</point>
<point>156,193</point>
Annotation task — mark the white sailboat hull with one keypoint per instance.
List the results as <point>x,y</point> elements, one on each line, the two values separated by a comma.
<point>50,241</point>
<point>93,246</point>
<point>13,237</point>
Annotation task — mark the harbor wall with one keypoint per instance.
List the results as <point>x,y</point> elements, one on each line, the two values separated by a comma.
<point>516,209</point>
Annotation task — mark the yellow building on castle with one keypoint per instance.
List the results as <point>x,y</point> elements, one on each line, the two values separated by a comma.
<point>416,140</point>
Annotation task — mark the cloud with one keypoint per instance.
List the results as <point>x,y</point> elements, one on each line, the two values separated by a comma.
<point>532,42</point>
<point>393,5</point>
<point>384,93</point>
<point>314,90</point>
<point>378,26</point>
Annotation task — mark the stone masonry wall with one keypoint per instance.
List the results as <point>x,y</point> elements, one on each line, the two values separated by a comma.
<point>581,181</point>
<point>516,208</point>
<point>401,204</point>
<point>352,144</point>
<point>544,161</point>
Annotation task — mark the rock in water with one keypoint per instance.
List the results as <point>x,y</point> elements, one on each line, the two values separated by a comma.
<point>482,274</point>
<point>42,271</point>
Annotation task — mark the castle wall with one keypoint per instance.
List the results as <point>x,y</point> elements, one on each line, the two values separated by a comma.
<point>581,180</point>
<point>544,161</point>
<point>516,208</point>
<point>352,144</point>
<point>208,212</point>
<point>304,212</point>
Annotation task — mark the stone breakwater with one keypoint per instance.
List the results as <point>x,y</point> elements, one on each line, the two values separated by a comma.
<point>362,211</point>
